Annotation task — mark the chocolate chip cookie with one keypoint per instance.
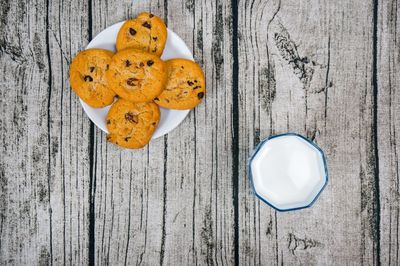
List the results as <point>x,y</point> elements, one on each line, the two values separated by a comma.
<point>185,87</point>
<point>137,76</point>
<point>131,125</point>
<point>88,79</point>
<point>146,32</point>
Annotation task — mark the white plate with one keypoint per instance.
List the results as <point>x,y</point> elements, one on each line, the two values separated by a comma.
<point>174,48</point>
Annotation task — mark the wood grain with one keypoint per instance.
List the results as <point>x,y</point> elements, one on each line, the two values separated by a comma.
<point>127,191</point>
<point>388,110</point>
<point>306,67</point>
<point>175,196</point>
<point>199,210</point>
<point>326,69</point>
<point>45,162</point>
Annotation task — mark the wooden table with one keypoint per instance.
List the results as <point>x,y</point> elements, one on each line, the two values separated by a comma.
<point>329,70</point>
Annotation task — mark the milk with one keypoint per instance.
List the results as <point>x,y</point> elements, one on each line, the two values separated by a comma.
<point>288,172</point>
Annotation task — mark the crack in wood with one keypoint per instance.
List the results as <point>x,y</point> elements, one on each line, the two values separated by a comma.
<point>235,142</point>
<point>15,52</point>
<point>375,215</point>
<point>189,5</point>
<point>295,243</point>
<point>164,213</point>
<point>92,167</point>
<point>269,227</point>
<point>312,133</point>
<point>206,235</point>
<point>199,40</point>
<point>301,66</point>
<point>267,83</point>
<point>129,216</point>
<point>218,40</point>
<point>49,120</point>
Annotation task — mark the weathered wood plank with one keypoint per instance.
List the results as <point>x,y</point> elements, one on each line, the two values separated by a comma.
<point>68,33</point>
<point>200,222</point>
<point>128,190</point>
<point>327,70</point>
<point>307,67</point>
<point>388,110</point>
<point>44,165</point>
<point>171,203</point>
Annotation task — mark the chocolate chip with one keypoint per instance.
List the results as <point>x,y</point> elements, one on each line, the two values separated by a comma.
<point>131,81</point>
<point>127,138</point>
<point>154,50</point>
<point>88,78</point>
<point>146,25</point>
<point>132,31</point>
<point>190,83</point>
<point>167,100</point>
<point>141,64</point>
<point>182,67</point>
<point>91,69</point>
<point>107,66</point>
<point>156,99</point>
<point>131,117</point>
<point>155,38</point>
<point>200,95</point>
<point>127,63</point>
<point>197,87</point>
<point>108,121</point>
<point>154,123</point>
<point>151,15</point>
<point>195,80</point>
<point>150,62</point>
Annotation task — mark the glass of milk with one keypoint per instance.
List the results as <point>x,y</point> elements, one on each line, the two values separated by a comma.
<point>288,172</point>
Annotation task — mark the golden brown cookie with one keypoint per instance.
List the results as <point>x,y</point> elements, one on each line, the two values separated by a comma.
<point>88,79</point>
<point>147,32</point>
<point>131,125</point>
<point>136,76</point>
<point>185,87</point>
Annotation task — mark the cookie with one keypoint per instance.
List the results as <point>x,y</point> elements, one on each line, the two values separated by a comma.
<point>88,79</point>
<point>131,125</point>
<point>186,86</point>
<point>136,76</point>
<point>147,33</point>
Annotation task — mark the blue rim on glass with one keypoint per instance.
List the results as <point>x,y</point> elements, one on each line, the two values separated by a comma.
<point>258,147</point>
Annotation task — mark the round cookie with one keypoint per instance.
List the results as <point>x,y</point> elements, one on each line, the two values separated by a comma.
<point>136,76</point>
<point>88,79</point>
<point>185,86</point>
<point>131,125</point>
<point>146,32</point>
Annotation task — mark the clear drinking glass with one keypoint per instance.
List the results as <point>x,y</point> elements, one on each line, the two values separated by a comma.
<point>288,171</point>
